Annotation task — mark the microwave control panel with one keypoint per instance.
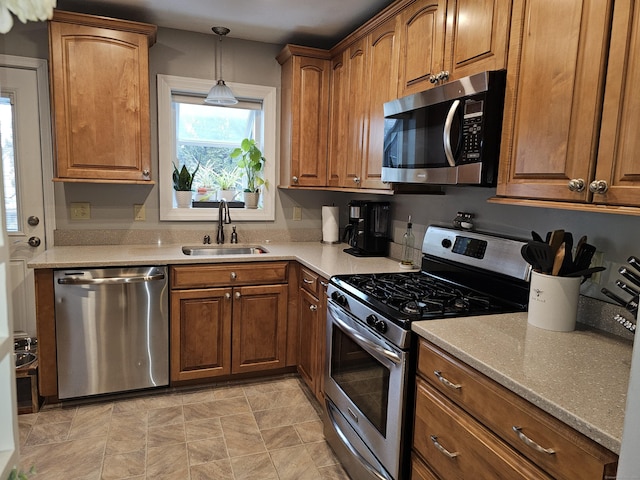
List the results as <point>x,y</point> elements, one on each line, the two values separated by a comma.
<point>472,131</point>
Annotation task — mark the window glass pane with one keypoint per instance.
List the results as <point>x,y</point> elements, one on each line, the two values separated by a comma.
<point>8,163</point>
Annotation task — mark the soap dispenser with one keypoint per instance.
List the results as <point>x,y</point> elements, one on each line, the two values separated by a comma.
<point>234,235</point>
<point>408,241</point>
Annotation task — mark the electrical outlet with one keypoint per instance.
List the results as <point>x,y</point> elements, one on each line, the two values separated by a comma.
<point>139,213</point>
<point>297,214</point>
<point>597,261</point>
<point>80,211</point>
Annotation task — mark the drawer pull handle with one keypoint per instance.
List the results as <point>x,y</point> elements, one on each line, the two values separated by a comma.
<point>527,441</point>
<point>443,450</point>
<point>454,386</point>
<point>307,281</point>
<point>324,284</point>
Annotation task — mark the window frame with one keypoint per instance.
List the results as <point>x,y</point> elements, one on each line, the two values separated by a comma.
<point>168,85</point>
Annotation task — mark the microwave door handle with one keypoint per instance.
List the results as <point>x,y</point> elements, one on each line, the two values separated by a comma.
<point>446,136</point>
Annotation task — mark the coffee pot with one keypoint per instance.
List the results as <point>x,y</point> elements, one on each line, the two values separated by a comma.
<point>367,232</point>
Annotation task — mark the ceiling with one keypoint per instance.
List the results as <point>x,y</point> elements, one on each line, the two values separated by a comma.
<point>305,22</point>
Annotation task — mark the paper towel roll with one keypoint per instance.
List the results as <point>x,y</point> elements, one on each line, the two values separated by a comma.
<point>330,224</point>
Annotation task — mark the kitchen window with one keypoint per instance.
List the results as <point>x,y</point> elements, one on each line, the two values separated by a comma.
<point>191,131</point>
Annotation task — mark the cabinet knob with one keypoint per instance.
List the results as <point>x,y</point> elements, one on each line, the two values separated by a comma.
<point>433,79</point>
<point>577,185</point>
<point>356,180</point>
<point>233,275</point>
<point>295,179</point>
<point>313,308</point>
<point>238,295</point>
<point>598,186</point>
<point>443,76</point>
<point>145,173</point>
<point>227,296</point>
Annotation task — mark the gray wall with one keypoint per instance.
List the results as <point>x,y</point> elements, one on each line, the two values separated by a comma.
<point>192,55</point>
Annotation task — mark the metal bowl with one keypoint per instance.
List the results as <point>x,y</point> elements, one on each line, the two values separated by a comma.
<point>23,358</point>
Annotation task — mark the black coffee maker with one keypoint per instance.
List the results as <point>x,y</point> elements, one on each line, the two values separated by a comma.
<point>368,230</point>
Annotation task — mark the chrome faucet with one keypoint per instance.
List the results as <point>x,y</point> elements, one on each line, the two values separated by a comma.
<point>223,217</point>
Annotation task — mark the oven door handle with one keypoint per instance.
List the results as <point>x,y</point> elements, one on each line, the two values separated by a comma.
<point>379,475</point>
<point>357,336</point>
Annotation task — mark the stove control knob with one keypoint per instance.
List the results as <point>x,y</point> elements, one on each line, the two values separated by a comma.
<point>381,326</point>
<point>372,320</point>
<point>446,243</point>
<point>339,299</point>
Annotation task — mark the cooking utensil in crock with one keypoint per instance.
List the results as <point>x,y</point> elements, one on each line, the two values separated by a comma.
<point>538,255</point>
<point>558,259</point>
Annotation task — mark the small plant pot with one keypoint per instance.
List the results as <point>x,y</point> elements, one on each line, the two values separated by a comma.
<point>227,195</point>
<point>251,199</point>
<point>183,198</point>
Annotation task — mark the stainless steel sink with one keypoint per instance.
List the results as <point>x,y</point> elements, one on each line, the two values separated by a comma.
<point>217,250</point>
<point>23,358</point>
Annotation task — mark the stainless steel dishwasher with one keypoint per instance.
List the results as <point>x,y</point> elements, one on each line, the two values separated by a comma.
<point>112,330</point>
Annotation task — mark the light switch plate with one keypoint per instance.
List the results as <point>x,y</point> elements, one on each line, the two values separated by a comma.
<point>80,211</point>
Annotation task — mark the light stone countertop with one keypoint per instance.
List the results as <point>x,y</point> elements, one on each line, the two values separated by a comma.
<point>325,259</point>
<point>579,377</point>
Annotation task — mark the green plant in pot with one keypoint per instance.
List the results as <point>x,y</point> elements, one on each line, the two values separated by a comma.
<point>251,160</point>
<point>182,184</point>
<point>227,181</point>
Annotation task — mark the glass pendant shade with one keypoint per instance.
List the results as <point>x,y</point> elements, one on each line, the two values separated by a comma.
<point>220,93</point>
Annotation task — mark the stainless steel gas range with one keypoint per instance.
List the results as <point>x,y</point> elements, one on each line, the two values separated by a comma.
<point>370,364</point>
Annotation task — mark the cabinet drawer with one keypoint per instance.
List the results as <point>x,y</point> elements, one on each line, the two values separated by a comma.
<point>229,274</point>
<point>500,410</point>
<point>419,471</point>
<point>310,281</point>
<point>456,446</point>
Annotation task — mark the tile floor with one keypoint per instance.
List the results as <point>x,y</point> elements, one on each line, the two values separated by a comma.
<point>261,430</point>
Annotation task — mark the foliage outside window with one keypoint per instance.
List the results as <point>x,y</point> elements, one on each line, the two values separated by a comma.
<point>191,133</point>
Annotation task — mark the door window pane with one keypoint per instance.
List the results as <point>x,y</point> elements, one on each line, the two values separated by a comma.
<point>8,163</point>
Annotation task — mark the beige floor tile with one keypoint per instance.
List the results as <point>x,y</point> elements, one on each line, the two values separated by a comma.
<point>232,391</point>
<point>294,463</point>
<point>127,433</point>
<point>216,408</point>
<point>166,435</point>
<point>161,401</point>
<point>124,465</point>
<point>168,462</point>
<point>55,415</point>
<point>201,429</point>
<point>280,437</point>
<point>310,431</point>
<point>48,433</point>
<point>217,470</point>
<point>282,398</point>
<point>322,454</point>
<point>91,421</point>
<point>252,467</point>
<point>165,416</point>
<point>333,472</point>
<point>242,435</point>
<point>63,461</point>
<point>198,396</point>
<point>282,416</point>
<point>208,450</point>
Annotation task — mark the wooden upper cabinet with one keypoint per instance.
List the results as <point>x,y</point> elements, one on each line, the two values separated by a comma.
<point>477,36</point>
<point>383,51</point>
<point>305,116</point>
<point>555,80</point>
<point>618,163</point>
<point>99,71</point>
<point>422,27</point>
<point>349,98</point>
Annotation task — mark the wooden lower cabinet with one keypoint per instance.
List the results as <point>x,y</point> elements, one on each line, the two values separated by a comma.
<point>231,329</point>
<point>464,428</point>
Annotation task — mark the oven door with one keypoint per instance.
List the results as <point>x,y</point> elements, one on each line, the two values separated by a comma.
<point>365,386</point>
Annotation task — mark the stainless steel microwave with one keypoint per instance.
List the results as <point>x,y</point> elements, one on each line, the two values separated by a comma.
<point>447,135</point>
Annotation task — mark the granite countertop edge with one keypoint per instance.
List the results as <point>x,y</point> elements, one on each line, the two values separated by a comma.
<point>605,430</point>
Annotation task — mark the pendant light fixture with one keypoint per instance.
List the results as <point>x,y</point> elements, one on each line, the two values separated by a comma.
<point>220,94</point>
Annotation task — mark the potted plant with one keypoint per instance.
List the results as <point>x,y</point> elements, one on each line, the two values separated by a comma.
<point>227,181</point>
<point>182,183</point>
<point>251,161</point>
<point>206,184</point>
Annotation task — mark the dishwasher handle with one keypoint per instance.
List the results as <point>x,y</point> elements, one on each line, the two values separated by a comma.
<point>110,280</point>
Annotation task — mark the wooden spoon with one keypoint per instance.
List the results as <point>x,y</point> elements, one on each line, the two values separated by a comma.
<point>559,258</point>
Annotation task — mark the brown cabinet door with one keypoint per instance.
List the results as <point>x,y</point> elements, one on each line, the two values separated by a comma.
<point>422,27</point>
<point>618,164</point>
<point>383,51</point>
<point>101,114</point>
<point>200,333</point>
<point>477,36</point>
<point>308,338</point>
<point>554,94</point>
<point>259,328</point>
<point>310,121</point>
<point>339,119</point>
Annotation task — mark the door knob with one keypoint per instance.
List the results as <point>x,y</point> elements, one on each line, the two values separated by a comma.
<point>598,186</point>
<point>33,220</point>
<point>576,185</point>
<point>34,241</point>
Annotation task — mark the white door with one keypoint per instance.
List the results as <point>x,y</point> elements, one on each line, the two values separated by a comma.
<point>20,133</point>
